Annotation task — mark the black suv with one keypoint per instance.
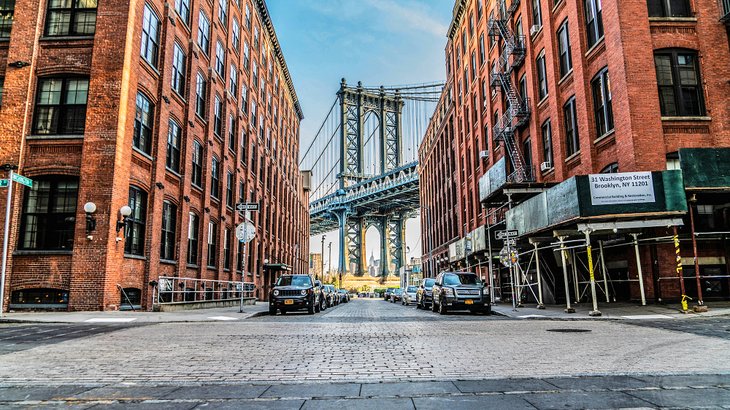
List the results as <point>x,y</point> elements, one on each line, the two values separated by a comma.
<point>295,292</point>
<point>423,294</point>
<point>459,291</point>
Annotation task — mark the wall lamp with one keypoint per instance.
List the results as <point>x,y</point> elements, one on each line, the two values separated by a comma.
<point>19,64</point>
<point>89,209</point>
<point>124,211</point>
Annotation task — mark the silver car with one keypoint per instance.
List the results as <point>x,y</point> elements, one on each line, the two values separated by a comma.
<point>409,295</point>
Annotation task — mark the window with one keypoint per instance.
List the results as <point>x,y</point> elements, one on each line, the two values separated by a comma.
<point>610,169</point>
<point>473,66</point>
<point>174,135</point>
<point>256,38</point>
<point>69,17</point>
<point>669,8</point>
<point>571,128</point>
<point>223,12</point>
<point>244,97</point>
<point>7,11</point>
<point>255,76</point>
<point>236,34</point>
<point>2,89</point>
<point>204,33</point>
<point>169,224</point>
<point>226,249</point>
<point>212,244</point>
<point>220,60</point>
<point>602,106</point>
<point>480,9</point>
<point>246,55</point>
<point>182,7</point>
<point>200,95</point>
<point>244,143</point>
<point>135,229</point>
<point>49,213</point>
<point>536,13</point>
<point>229,189</point>
<point>142,137</point>
<point>547,142</point>
<point>197,174</point>
<point>193,234</point>
<point>61,106</point>
<point>232,133</point>
<point>542,90</point>
<point>178,70</point>
<point>594,21</point>
<point>248,17</point>
<point>218,117</point>
<point>679,82</point>
<point>527,152</point>
<point>215,178</point>
<point>234,82</point>
<point>481,48</point>
<point>566,63</point>
<point>523,89</point>
<point>39,296</point>
<point>150,36</point>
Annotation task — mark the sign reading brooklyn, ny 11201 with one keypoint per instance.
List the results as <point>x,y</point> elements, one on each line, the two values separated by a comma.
<point>621,188</point>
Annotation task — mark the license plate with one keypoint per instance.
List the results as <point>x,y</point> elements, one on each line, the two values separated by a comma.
<point>288,302</point>
<point>469,302</point>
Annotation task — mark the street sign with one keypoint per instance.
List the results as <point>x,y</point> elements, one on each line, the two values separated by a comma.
<point>247,206</point>
<point>511,241</point>
<point>23,180</point>
<point>508,256</point>
<point>245,232</point>
<point>506,234</point>
<point>3,183</point>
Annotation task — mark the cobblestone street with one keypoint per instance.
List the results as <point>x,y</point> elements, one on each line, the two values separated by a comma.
<point>364,341</point>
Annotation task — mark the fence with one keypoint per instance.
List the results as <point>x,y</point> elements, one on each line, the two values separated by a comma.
<point>177,290</point>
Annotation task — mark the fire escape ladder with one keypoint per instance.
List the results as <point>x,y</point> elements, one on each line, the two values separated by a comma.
<point>517,112</point>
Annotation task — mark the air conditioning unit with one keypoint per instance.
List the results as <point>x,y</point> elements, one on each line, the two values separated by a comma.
<point>534,29</point>
<point>546,166</point>
<point>483,154</point>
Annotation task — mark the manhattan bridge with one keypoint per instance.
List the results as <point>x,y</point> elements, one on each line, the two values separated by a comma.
<point>364,163</point>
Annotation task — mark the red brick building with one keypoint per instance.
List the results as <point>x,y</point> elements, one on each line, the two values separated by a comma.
<point>176,109</point>
<point>540,91</point>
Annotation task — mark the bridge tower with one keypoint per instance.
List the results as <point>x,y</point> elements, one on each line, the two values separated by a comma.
<point>355,105</point>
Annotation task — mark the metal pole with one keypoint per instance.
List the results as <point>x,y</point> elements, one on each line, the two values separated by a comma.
<point>589,251</point>
<point>564,258</point>
<point>638,269</point>
<point>694,250</point>
<point>245,263</point>
<point>680,271</point>
<point>540,305</point>
<point>6,240</point>
<point>491,272</point>
<point>574,268</point>
<point>509,258</point>
<point>604,271</point>
<point>321,261</point>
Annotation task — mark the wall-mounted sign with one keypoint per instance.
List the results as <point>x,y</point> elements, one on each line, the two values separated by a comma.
<point>621,188</point>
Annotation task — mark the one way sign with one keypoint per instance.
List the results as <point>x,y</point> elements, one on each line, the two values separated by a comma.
<point>247,206</point>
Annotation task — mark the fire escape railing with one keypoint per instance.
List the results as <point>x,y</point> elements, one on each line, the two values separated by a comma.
<point>517,112</point>
<point>725,11</point>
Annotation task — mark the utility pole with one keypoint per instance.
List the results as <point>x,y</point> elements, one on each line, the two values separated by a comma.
<point>321,260</point>
<point>9,168</point>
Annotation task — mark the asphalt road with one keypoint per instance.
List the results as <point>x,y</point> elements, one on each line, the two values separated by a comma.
<point>367,354</point>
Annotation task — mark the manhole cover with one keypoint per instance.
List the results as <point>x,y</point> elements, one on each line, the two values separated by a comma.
<point>569,330</point>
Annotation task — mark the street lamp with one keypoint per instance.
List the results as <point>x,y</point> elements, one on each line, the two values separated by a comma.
<point>89,209</point>
<point>124,211</point>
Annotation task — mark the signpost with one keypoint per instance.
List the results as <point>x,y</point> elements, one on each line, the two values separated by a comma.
<point>501,235</point>
<point>508,256</point>
<point>245,232</point>
<point>29,183</point>
<point>3,183</point>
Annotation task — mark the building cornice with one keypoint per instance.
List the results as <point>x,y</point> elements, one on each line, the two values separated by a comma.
<point>266,21</point>
<point>458,14</point>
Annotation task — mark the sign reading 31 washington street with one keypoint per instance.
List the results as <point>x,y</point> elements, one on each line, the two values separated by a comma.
<point>621,188</point>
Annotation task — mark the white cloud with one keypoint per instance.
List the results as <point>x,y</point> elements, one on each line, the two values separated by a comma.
<point>409,16</point>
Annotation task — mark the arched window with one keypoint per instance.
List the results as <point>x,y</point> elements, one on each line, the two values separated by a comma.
<point>135,232</point>
<point>49,213</point>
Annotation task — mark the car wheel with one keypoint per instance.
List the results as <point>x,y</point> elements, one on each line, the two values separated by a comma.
<point>283,312</point>
<point>310,310</point>
<point>487,310</point>
<point>418,304</point>
<point>433,306</point>
<point>317,308</point>
<point>272,310</point>
<point>442,308</point>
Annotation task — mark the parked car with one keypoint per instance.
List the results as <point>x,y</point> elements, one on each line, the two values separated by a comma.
<point>344,295</point>
<point>396,295</point>
<point>330,295</point>
<point>409,296</point>
<point>459,291</point>
<point>423,294</point>
<point>322,296</point>
<point>295,292</point>
<point>386,295</point>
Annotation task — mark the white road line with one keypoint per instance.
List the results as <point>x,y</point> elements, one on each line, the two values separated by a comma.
<point>530,316</point>
<point>110,320</point>
<point>222,318</point>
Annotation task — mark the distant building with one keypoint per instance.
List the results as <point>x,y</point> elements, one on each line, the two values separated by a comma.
<point>315,264</point>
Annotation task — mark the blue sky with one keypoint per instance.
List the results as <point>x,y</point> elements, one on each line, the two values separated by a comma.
<point>378,42</point>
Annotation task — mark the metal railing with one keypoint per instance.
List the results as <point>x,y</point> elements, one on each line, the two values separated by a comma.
<point>181,290</point>
<point>725,11</point>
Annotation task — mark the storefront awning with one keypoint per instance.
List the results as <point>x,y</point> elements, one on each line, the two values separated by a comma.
<point>705,169</point>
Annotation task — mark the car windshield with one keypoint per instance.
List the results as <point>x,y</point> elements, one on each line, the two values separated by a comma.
<point>429,283</point>
<point>398,291</point>
<point>411,289</point>
<point>453,279</point>
<point>304,281</point>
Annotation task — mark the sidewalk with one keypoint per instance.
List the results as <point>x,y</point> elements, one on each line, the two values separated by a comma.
<point>198,315</point>
<point>610,311</point>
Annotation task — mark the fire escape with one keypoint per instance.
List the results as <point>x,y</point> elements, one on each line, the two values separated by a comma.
<point>517,112</point>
